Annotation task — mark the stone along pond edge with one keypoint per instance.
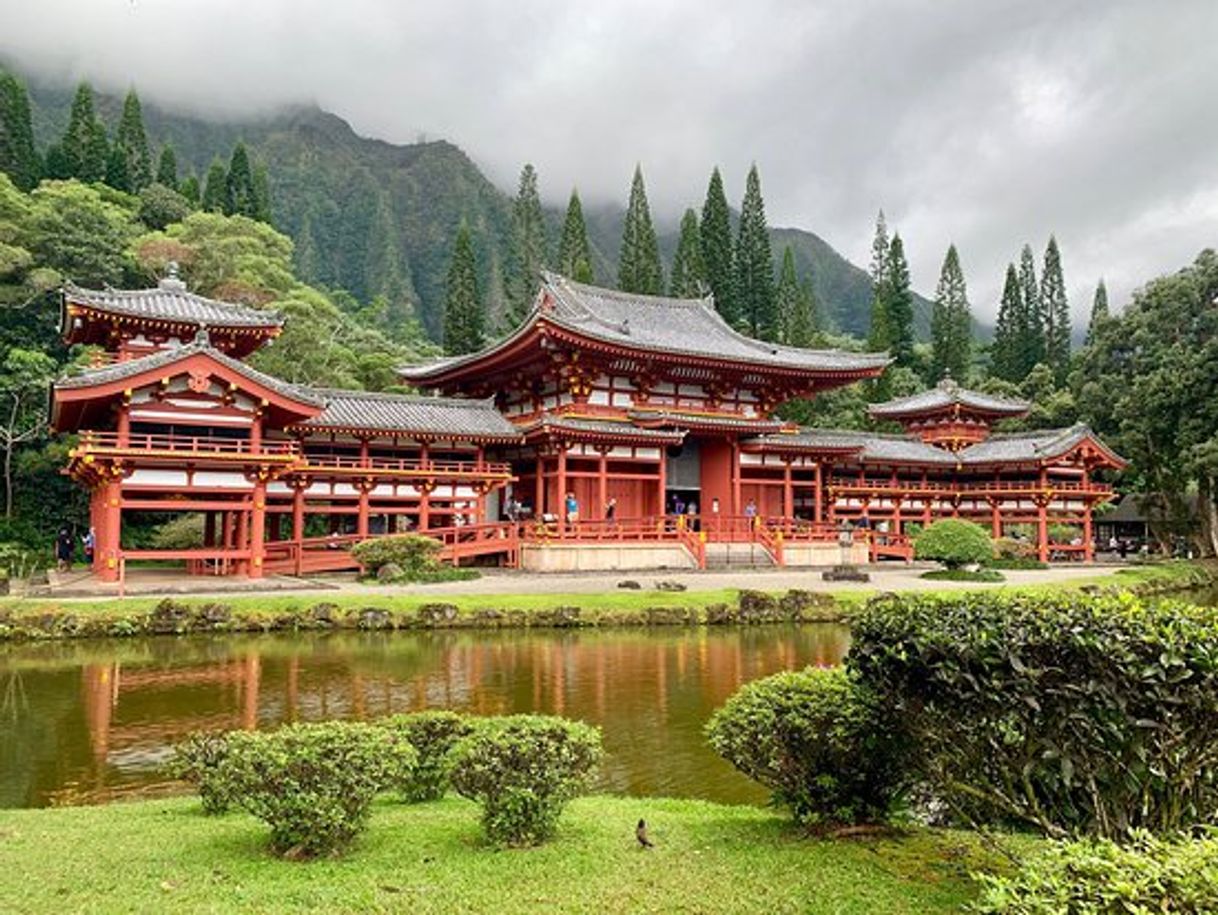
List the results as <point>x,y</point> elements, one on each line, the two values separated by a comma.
<point>46,620</point>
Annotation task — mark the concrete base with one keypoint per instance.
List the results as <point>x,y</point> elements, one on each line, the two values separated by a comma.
<point>604,557</point>
<point>823,554</point>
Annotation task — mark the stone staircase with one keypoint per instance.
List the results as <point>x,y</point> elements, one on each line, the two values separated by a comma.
<point>738,556</point>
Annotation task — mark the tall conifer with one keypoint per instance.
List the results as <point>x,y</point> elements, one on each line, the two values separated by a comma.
<point>715,233</point>
<point>215,187</point>
<point>951,322</point>
<point>18,156</point>
<point>464,316</point>
<point>131,139</point>
<point>574,254</point>
<point>240,197</point>
<point>385,267</point>
<point>167,167</point>
<point>527,251</point>
<point>1032,345</point>
<point>1006,357</point>
<point>84,141</point>
<point>688,272</point>
<point>262,195</point>
<point>755,264</point>
<point>878,336</point>
<point>190,189</point>
<point>1099,312</point>
<point>805,320</point>
<point>639,267</point>
<point>117,175</point>
<point>1055,313</point>
<point>898,305</point>
<point>786,294</point>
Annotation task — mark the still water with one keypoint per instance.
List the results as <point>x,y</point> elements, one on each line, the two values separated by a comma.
<point>88,722</point>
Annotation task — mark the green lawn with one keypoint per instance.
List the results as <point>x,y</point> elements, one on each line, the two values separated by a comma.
<point>165,856</point>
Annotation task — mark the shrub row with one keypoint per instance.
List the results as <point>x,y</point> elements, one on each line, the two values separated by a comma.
<point>314,784</point>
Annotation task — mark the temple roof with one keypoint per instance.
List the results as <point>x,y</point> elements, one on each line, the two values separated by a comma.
<point>602,428</point>
<point>706,421</point>
<point>661,324</point>
<point>170,301</point>
<point>945,395</point>
<point>1040,445</point>
<point>411,414</point>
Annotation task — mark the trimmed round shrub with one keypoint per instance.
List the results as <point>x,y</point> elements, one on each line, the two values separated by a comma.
<point>432,735</point>
<point>1147,874</point>
<point>954,543</point>
<point>197,760</point>
<point>523,769</point>
<point>816,739</point>
<point>415,554</point>
<point>313,784</point>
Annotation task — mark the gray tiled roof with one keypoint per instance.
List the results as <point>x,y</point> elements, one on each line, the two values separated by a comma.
<point>689,327</point>
<point>411,413</point>
<point>170,301</point>
<point>602,427</point>
<point>677,418</point>
<point>161,358</point>
<point>1031,446</point>
<point>869,446</point>
<point>947,394</point>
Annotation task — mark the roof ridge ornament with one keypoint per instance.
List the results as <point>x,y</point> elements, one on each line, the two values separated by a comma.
<point>202,336</point>
<point>171,282</point>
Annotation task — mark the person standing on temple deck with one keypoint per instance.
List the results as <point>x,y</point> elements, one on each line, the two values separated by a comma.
<point>750,511</point>
<point>572,508</point>
<point>89,542</point>
<point>691,514</point>
<point>611,511</point>
<point>65,547</point>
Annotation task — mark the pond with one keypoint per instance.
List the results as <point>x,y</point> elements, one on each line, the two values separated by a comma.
<point>88,722</point>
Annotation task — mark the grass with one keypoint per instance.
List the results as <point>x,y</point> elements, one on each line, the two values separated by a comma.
<point>166,856</point>
<point>982,575</point>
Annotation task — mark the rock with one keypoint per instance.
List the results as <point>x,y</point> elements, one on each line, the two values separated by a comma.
<point>719,615</point>
<point>168,617</point>
<point>324,614</point>
<point>215,614</point>
<point>488,617</point>
<point>390,571</point>
<point>669,585</point>
<point>845,573</point>
<point>630,585</point>
<point>561,617</point>
<point>375,618</point>
<point>436,614</point>
<point>803,605</point>
<point>758,607</point>
<point>670,616</point>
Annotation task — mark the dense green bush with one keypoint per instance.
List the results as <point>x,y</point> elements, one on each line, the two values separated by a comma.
<point>406,557</point>
<point>198,760</point>
<point>523,769</point>
<point>1147,875</point>
<point>954,543</point>
<point>313,783</point>
<point>817,740</point>
<point>433,735</point>
<point>1076,713</point>
<point>988,574</point>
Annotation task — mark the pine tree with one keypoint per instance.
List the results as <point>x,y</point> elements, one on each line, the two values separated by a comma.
<point>190,189</point>
<point>167,168</point>
<point>1055,313</point>
<point>117,175</point>
<point>715,231</point>
<point>240,197</point>
<point>755,264</point>
<point>574,255</point>
<point>262,195</point>
<point>1006,357</point>
<point>786,294</point>
<point>951,322</point>
<point>84,155</point>
<point>131,139</point>
<point>805,322</point>
<point>464,316</point>
<point>1032,345</point>
<point>527,250</point>
<point>688,271</point>
<point>639,260</point>
<point>878,335</point>
<point>1099,312</point>
<point>388,277</point>
<point>214,187</point>
<point>898,305</point>
<point>18,156</point>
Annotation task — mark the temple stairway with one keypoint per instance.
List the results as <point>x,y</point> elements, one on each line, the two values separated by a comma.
<point>738,556</point>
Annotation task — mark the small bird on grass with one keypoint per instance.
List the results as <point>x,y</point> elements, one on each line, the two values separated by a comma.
<point>640,833</point>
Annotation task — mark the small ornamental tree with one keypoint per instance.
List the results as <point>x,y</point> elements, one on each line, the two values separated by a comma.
<point>954,543</point>
<point>313,784</point>
<point>415,554</point>
<point>523,769</point>
<point>432,735</point>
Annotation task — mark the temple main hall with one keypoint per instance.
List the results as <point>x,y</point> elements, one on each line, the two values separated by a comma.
<point>610,430</point>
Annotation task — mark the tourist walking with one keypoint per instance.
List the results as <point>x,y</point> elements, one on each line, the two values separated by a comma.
<point>65,548</point>
<point>611,510</point>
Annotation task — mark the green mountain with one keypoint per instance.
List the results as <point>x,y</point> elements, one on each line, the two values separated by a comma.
<point>373,217</point>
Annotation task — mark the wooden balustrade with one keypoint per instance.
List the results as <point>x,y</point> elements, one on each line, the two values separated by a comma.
<point>183,445</point>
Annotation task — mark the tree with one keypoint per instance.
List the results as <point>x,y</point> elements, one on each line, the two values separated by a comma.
<point>898,304</point>
<point>1006,358</point>
<point>81,231</point>
<point>190,189</point>
<point>262,195</point>
<point>574,255</point>
<point>688,272</point>
<point>240,197</point>
<point>84,155</point>
<point>755,264</point>
<point>167,168</point>
<point>527,256</point>
<point>24,377</point>
<point>1099,312</point>
<point>1055,313</point>
<point>715,234</point>
<point>214,187</point>
<point>951,322</point>
<point>132,142</point>
<point>805,321</point>
<point>786,294</point>
<point>385,267</point>
<point>464,318</point>
<point>639,267</point>
<point>161,205</point>
<point>18,156</point>
<point>117,175</point>
<point>878,336</point>
<point>1032,345</point>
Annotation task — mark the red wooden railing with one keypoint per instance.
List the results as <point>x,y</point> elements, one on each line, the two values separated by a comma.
<point>354,464</point>
<point>183,444</point>
<point>911,486</point>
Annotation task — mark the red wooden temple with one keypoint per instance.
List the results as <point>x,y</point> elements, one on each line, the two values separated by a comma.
<point>651,405</point>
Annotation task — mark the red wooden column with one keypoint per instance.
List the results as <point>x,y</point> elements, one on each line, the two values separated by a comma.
<point>562,485</point>
<point>788,490</point>
<point>257,529</point>
<point>1088,548</point>
<point>602,483</point>
<point>298,512</point>
<point>425,489</point>
<point>124,422</point>
<point>361,519</point>
<point>662,482</point>
<point>1042,518</point>
<point>817,508</point>
<point>539,488</point>
<point>242,538</point>
<point>995,519</point>
<point>110,530</point>
<point>737,501</point>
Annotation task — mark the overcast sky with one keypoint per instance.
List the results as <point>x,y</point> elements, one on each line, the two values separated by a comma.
<point>989,124</point>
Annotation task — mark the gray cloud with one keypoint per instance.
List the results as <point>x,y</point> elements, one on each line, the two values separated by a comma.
<point>984,123</point>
